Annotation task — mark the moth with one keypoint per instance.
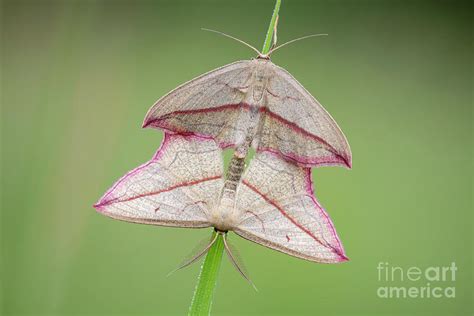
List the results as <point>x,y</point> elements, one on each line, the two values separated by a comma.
<point>184,185</point>
<point>246,104</point>
<point>254,103</point>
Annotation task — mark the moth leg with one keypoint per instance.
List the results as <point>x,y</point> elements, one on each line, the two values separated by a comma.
<point>275,38</point>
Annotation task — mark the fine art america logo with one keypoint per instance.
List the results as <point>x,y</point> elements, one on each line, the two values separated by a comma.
<point>416,282</point>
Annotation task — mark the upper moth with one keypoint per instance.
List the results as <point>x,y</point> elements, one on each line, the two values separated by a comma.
<point>254,103</point>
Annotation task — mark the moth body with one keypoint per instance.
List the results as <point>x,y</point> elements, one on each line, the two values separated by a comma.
<point>250,117</point>
<point>260,76</point>
<point>225,216</point>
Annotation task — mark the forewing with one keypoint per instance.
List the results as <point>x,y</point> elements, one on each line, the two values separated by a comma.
<point>208,105</point>
<point>176,188</point>
<point>297,127</point>
<point>279,211</point>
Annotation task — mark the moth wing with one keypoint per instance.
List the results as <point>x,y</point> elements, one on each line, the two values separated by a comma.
<point>297,127</point>
<point>177,187</point>
<point>279,211</point>
<point>208,105</point>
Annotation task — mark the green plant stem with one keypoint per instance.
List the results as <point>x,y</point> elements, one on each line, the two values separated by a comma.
<point>268,39</point>
<point>202,298</point>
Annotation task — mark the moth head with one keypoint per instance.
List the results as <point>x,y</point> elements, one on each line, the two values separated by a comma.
<point>263,56</point>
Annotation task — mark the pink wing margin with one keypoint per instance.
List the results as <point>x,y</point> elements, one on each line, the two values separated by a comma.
<point>311,192</point>
<point>280,211</point>
<point>172,189</point>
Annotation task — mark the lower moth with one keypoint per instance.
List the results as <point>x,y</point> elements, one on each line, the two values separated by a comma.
<point>271,202</point>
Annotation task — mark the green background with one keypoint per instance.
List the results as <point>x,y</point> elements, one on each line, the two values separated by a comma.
<point>79,76</point>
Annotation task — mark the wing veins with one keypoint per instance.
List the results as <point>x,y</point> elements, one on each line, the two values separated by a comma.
<point>285,214</point>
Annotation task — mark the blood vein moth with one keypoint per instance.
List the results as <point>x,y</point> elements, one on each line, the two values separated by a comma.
<point>183,185</point>
<point>254,103</point>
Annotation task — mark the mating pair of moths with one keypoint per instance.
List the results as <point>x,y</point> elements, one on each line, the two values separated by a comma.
<point>244,104</point>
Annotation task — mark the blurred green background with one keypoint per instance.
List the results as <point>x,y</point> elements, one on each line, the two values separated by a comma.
<point>79,76</point>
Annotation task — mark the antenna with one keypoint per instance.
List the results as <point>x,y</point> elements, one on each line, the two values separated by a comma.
<point>274,40</point>
<point>195,257</point>
<point>235,263</point>
<point>295,40</point>
<point>234,38</point>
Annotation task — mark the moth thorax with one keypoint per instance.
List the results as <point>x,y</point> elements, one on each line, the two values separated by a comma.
<point>224,216</point>
<point>260,80</point>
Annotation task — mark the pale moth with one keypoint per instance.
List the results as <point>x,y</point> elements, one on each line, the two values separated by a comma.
<point>246,103</point>
<point>254,102</point>
<point>184,185</point>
